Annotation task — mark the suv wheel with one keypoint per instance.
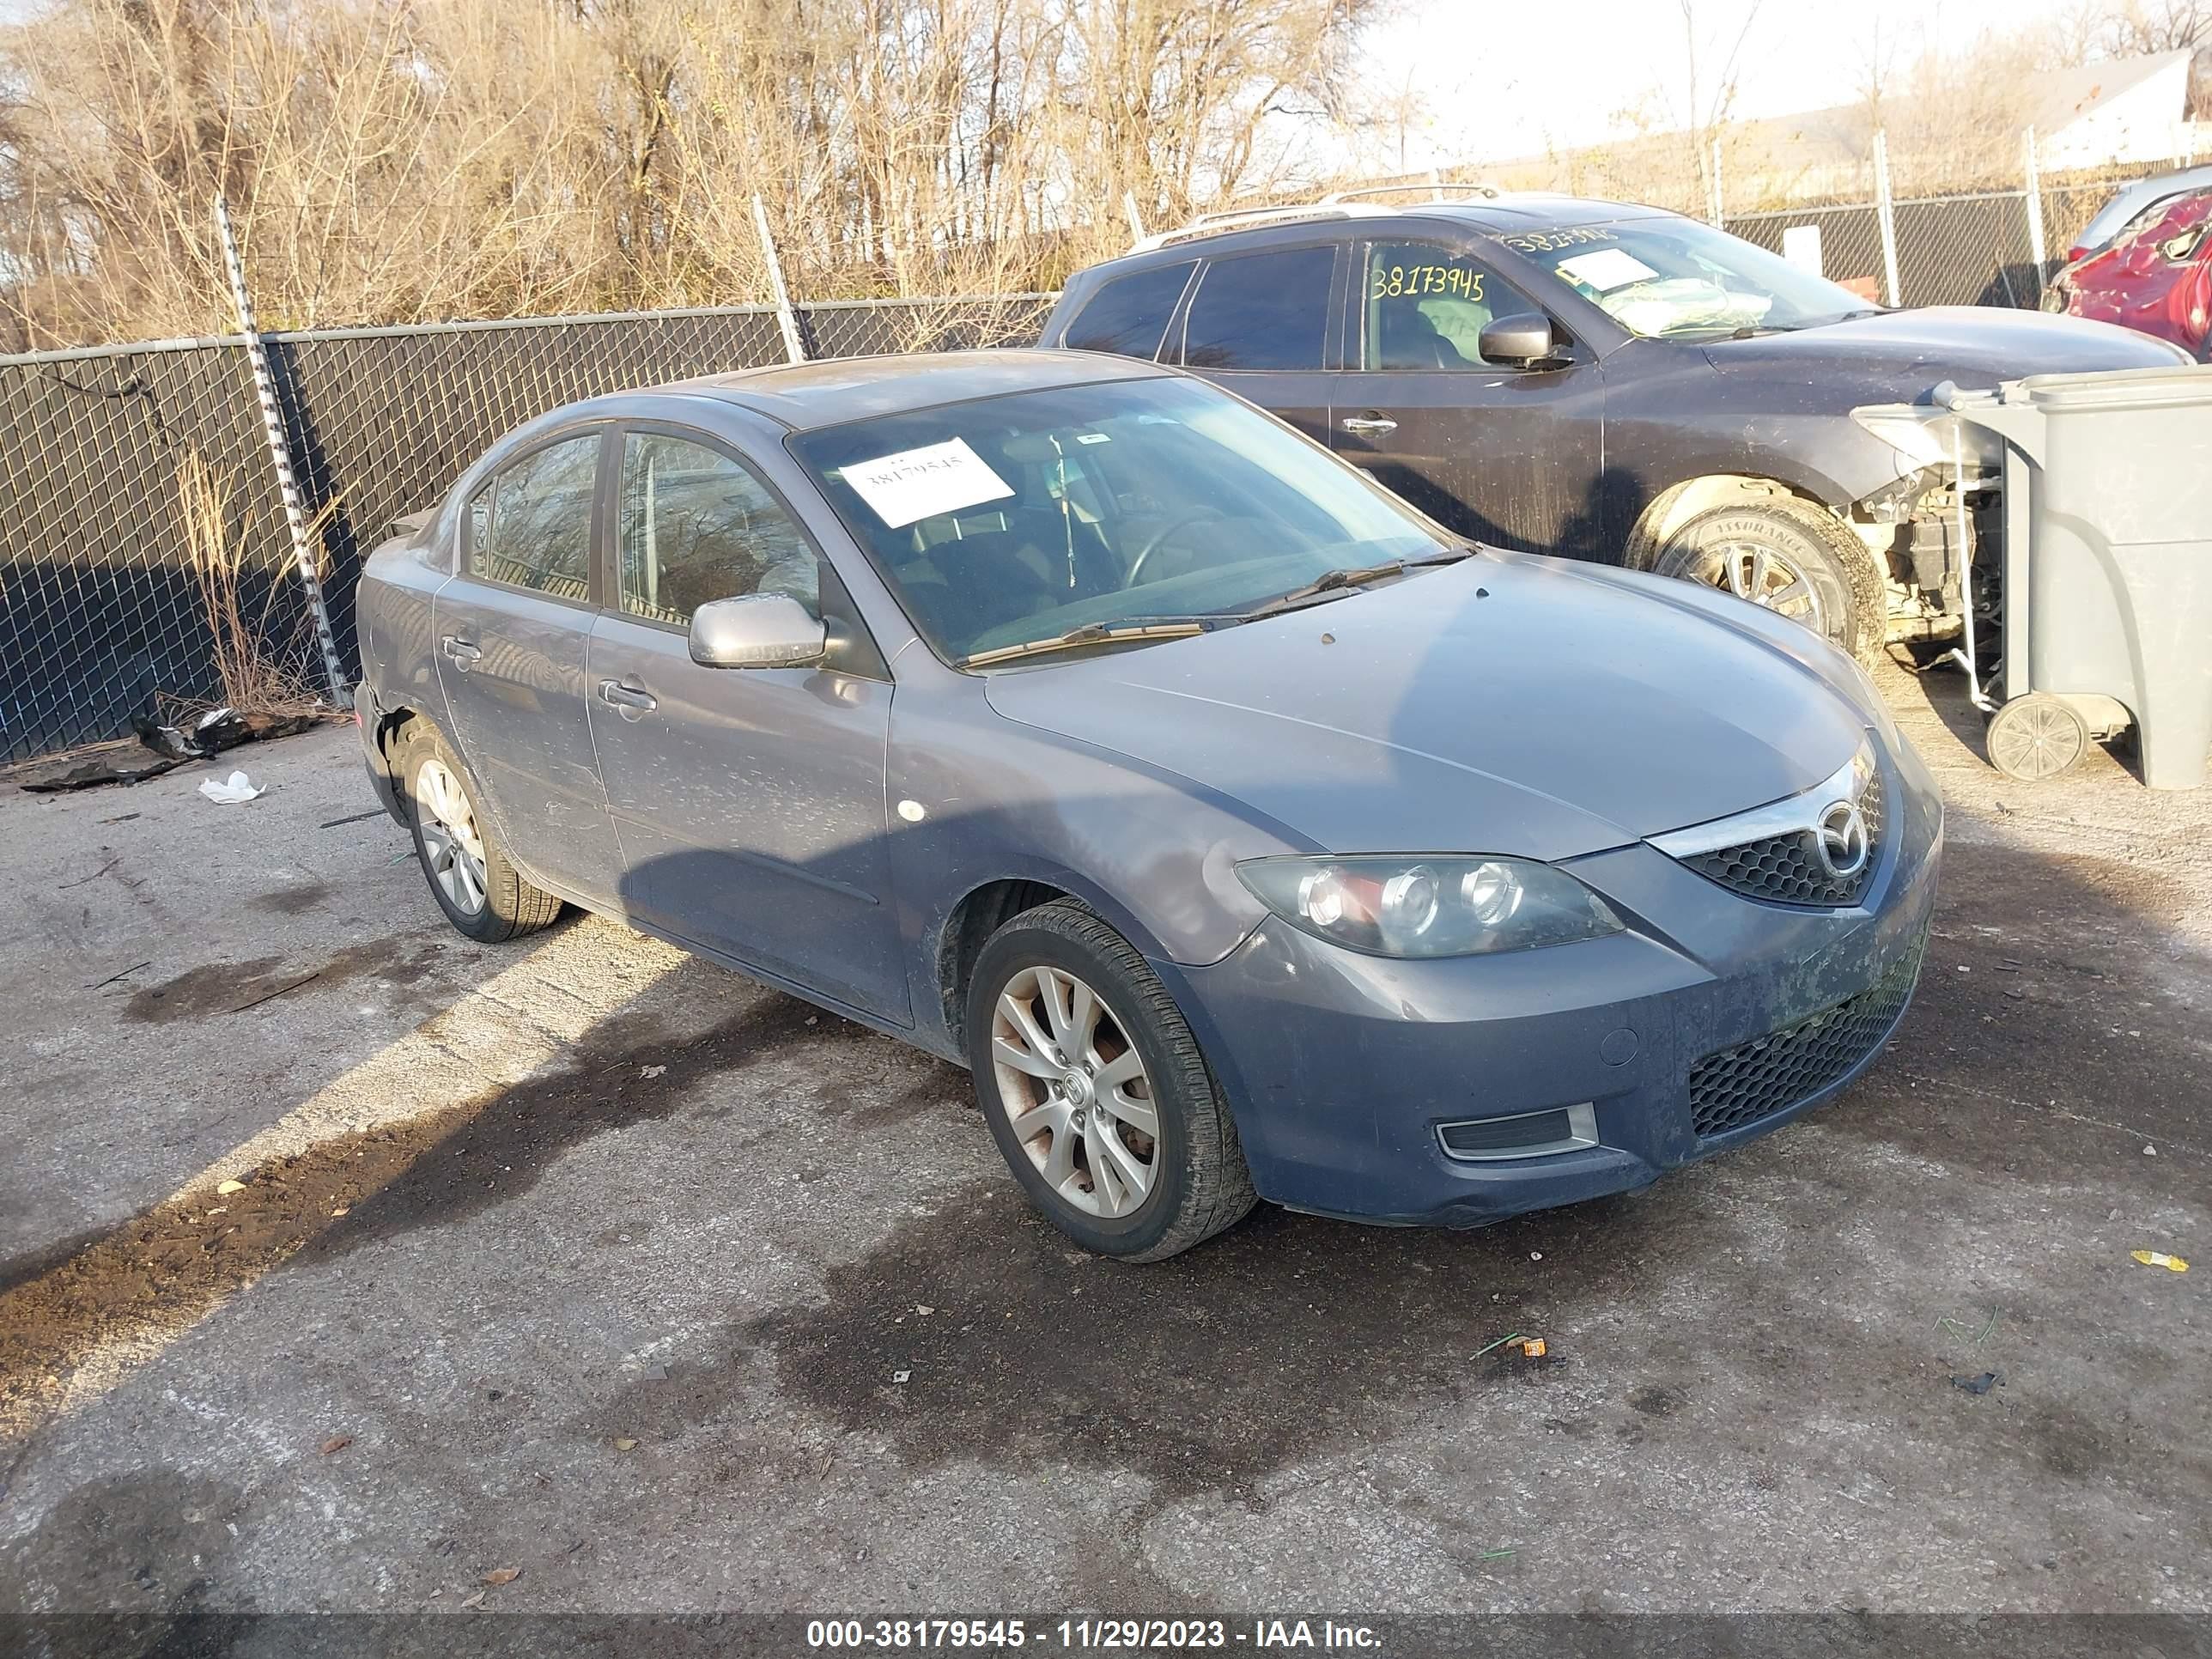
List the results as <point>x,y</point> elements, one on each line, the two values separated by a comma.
<point>483,895</point>
<point>1792,559</point>
<point>1096,1092</point>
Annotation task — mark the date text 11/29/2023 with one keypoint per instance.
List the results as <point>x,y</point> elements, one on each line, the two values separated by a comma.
<point>1090,1635</point>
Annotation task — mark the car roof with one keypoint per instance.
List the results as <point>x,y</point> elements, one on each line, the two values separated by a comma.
<point>1494,216</point>
<point>804,395</point>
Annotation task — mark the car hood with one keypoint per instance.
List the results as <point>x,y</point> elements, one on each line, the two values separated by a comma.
<point>1496,706</point>
<point>1975,346</point>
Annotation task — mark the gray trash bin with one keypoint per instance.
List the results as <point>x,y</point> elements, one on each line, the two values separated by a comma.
<point>2107,569</point>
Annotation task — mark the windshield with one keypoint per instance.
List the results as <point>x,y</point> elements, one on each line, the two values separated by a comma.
<point>1020,518</point>
<point>1674,278</point>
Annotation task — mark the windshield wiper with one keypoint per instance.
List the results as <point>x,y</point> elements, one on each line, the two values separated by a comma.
<point>1097,633</point>
<point>1330,581</point>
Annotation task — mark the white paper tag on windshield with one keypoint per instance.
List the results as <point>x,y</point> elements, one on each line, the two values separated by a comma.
<point>920,483</point>
<point>1607,269</point>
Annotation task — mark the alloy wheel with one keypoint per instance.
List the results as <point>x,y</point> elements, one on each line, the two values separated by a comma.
<point>1076,1090</point>
<point>1768,579</point>
<point>452,846</point>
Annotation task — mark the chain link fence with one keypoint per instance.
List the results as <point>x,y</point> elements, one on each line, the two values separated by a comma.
<point>1964,250</point>
<point>141,530</point>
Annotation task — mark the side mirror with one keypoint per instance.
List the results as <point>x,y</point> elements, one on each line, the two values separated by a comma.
<point>1519,340</point>
<point>757,630</point>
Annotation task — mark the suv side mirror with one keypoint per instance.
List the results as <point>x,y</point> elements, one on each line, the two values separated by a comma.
<point>1519,340</point>
<point>757,630</point>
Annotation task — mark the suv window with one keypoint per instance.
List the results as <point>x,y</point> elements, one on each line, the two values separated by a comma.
<point>538,533</point>
<point>1261,311</point>
<point>1427,306</point>
<point>1129,315</point>
<point>695,526</point>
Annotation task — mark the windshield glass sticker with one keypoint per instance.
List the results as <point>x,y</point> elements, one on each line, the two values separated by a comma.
<point>1092,438</point>
<point>1607,269</point>
<point>920,483</point>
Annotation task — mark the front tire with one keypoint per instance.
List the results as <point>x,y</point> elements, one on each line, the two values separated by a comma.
<point>1096,1092</point>
<point>481,893</point>
<point>1791,558</point>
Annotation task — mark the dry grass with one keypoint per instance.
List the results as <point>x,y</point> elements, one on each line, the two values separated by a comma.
<point>265,654</point>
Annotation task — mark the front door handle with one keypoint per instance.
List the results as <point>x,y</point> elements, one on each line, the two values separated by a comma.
<point>627,700</point>
<point>463,652</point>
<point>1368,426</point>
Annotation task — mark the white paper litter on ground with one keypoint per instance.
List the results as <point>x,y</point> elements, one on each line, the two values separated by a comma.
<point>233,791</point>
<point>920,483</point>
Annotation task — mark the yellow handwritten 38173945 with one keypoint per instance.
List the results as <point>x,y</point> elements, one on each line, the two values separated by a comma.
<point>1390,281</point>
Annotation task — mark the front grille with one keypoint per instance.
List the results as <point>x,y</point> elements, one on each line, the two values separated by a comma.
<point>1770,1074</point>
<point>1787,869</point>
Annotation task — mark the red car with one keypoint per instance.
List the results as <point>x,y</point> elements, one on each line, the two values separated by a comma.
<point>2156,276</point>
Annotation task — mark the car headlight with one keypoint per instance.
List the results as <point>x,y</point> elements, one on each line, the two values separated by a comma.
<point>1428,907</point>
<point>1908,435</point>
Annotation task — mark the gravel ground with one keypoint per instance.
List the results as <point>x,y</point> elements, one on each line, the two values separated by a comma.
<point>588,1260</point>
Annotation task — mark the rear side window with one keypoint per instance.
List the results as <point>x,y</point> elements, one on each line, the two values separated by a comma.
<point>540,524</point>
<point>1261,311</point>
<point>1129,315</point>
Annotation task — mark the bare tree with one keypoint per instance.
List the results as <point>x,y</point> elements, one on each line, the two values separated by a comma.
<point>397,160</point>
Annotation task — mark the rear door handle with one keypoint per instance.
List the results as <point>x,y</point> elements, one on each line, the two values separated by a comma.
<point>627,699</point>
<point>1368,426</point>
<point>463,652</point>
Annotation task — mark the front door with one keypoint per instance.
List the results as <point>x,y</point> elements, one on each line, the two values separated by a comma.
<point>749,802</point>
<point>1259,325</point>
<point>1510,455</point>
<point>511,629</point>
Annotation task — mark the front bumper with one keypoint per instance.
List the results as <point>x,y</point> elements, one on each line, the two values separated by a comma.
<point>1714,1019</point>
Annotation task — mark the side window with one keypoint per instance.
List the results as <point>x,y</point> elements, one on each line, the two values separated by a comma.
<point>1129,315</point>
<point>539,523</point>
<point>1261,311</point>
<point>1427,306</point>
<point>695,526</point>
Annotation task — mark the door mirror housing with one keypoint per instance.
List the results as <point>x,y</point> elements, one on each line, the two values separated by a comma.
<point>757,630</point>
<point>1519,340</point>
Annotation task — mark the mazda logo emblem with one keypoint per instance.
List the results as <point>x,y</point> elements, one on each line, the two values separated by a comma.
<point>1842,839</point>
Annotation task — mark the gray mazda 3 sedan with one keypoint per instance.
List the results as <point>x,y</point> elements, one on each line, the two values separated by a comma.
<point>1245,833</point>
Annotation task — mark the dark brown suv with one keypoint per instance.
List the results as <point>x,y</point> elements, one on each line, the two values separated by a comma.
<point>1607,381</point>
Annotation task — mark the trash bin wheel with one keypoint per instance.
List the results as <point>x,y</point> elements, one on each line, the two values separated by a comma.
<point>2037,737</point>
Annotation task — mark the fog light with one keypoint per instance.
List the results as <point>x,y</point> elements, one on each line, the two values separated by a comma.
<point>1522,1134</point>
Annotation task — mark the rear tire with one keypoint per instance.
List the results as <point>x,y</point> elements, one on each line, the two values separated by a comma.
<point>480,891</point>
<point>1096,1092</point>
<point>1791,558</point>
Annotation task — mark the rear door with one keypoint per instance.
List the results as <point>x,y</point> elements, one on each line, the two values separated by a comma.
<point>1261,324</point>
<point>1508,455</point>
<point>749,802</point>
<point>511,628</point>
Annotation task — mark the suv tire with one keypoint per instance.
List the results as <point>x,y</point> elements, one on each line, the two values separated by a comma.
<point>1793,559</point>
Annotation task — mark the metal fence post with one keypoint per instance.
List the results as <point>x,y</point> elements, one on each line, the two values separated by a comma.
<point>794,344</point>
<point>1136,219</point>
<point>280,451</point>
<point>2035,208</point>
<point>1886,213</point>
